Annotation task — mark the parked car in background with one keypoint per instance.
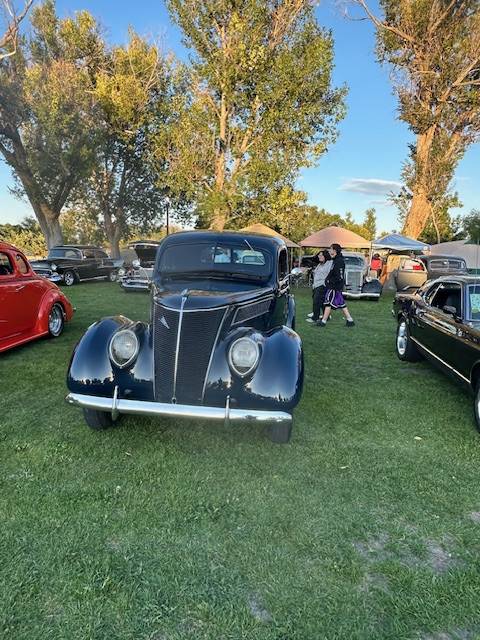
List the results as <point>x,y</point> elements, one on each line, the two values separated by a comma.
<point>441,322</point>
<point>360,282</point>
<point>30,306</point>
<point>413,272</point>
<point>138,277</point>
<point>69,264</point>
<point>221,344</point>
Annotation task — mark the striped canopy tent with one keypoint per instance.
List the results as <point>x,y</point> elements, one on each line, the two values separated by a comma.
<point>336,235</point>
<point>258,227</point>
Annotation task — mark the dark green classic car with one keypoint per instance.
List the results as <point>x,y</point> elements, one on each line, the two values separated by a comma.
<point>441,322</point>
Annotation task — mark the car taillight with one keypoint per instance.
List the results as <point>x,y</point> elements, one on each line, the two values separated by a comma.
<point>417,267</point>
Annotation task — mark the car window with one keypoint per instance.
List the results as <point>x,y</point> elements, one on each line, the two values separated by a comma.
<point>235,258</point>
<point>88,253</point>
<point>354,261</point>
<point>71,254</point>
<point>473,301</point>
<point>283,265</point>
<point>448,264</point>
<point>429,291</point>
<point>22,266</point>
<point>100,255</point>
<point>409,264</point>
<point>6,268</point>
<point>448,295</point>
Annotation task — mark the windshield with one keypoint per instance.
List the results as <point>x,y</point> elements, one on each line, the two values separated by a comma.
<point>354,261</point>
<point>64,253</point>
<point>216,258</point>
<point>473,303</point>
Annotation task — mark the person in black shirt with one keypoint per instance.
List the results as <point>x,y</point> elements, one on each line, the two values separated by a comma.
<point>335,284</point>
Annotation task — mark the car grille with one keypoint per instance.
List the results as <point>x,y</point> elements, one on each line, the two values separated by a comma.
<point>46,273</point>
<point>197,339</point>
<point>250,311</point>
<point>353,281</point>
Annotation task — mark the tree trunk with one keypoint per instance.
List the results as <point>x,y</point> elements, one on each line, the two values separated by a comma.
<point>113,233</point>
<point>53,232</point>
<point>417,218</point>
<point>218,220</point>
<point>421,208</point>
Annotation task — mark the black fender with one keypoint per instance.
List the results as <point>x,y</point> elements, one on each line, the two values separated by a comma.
<point>277,382</point>
<point>374,287</point>
<point>91,372</point>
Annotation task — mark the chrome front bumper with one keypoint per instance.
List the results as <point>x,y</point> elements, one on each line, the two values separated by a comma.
<point>116,406</point>
<point>135,285</point>
<point>349,294</point>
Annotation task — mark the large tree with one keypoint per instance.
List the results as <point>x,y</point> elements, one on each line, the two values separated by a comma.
<point>261,104</point>
<point>47,117</point>
<point>433,47</point>
<point>133,93</point>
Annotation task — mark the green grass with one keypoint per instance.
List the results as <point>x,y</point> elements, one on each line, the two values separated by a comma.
<point>363,527</point>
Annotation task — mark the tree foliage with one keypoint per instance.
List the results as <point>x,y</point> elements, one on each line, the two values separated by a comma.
<point>433,47</point>
<point>133,90</point>
<point>47,115</point>
<point>260,105</point>
<point>26,236</point>
<point>471,226</point>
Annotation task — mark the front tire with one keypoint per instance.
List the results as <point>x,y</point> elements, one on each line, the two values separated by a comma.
<point>69,278</point>
<point>476,405</point>
<point>98,420</point>
<point>112,276</point>
<point>56,320</point>
<point>280,433</point>
<point>405,347</point>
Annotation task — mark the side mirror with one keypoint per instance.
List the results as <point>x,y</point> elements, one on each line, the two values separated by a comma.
<point>451,311</point>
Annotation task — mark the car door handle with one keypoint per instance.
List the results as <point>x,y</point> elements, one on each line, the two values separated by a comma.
<point>22,286</point>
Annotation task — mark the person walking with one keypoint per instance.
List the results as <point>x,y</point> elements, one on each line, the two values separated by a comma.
<point>320,274</point>
<point>335,283</point>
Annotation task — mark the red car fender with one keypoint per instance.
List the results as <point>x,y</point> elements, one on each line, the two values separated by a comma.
<point>52,296</point>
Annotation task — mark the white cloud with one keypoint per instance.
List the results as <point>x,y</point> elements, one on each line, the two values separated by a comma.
<point>371,186</point>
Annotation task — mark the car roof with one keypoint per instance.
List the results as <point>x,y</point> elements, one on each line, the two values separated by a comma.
<point>77,246</point>
<point>466,279</point>
<point>440,257</point>
<point>183,237</point>
<point>6,246</point>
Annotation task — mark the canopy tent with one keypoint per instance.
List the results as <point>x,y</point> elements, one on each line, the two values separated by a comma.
<point>336,235</point>
<point>397,242</point>
<point>465,249</point>
<point>258,227</point>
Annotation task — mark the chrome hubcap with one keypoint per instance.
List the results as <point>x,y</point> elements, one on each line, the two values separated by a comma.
<point>113,276</point>
<point>68,278</point>
<point>55,320</point>
<point>402,338</point>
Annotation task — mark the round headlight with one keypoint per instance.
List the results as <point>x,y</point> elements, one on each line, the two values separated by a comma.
<point>124,347</point>
<point>136,264</point>
<point>121,271</point>
<point>53,266</point>
<point>243,356</point>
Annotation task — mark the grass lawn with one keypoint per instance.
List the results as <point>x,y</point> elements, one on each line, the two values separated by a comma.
<point>366,526</point>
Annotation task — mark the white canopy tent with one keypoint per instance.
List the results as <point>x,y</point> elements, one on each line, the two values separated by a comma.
<point>397,242</point>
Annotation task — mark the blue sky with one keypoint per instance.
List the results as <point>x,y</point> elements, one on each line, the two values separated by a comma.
<point>365,163</point>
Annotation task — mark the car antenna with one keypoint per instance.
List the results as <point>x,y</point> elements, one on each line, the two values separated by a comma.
<point>248,244</point>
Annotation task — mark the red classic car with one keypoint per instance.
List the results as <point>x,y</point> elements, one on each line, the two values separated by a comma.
<point>30,306</point>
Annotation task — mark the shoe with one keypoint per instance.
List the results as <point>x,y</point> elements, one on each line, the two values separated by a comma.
<point>310,315</point>
<point>310,321</point>
<point>321,323</point>
<point>350,323</point>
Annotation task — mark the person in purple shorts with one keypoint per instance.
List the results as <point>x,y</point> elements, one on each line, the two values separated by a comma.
<point>335,283</point>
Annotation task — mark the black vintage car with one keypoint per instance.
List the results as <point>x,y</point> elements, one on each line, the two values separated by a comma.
<point>441,321</point>
<point>220,345</point>
<point>69,264</point>
<point>138,277</point>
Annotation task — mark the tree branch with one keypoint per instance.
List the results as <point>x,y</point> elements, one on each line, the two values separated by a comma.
<point>10,37</point>
<point>383,25</point>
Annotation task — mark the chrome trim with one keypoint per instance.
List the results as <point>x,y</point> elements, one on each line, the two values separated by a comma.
<point>445,364</point>
<point>231,363</point>
<point>349,294</point>
<point>251,303</point>
<point>115,404</point>
<point>214,346</point>
<point>189,310</point>
<point>177,347</point>
<point>130,360</point>
<point>138,407</point>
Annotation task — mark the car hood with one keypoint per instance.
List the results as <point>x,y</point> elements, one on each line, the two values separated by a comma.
<point>146,253</point>
<point>47,262</point>
<point>197,299</point>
